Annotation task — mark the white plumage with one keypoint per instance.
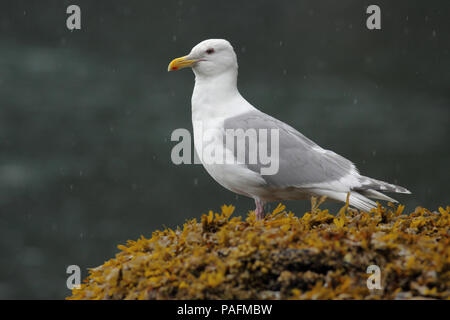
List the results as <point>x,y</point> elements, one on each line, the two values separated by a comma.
<point>304,168</point>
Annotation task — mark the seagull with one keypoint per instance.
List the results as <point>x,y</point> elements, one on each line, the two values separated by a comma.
<point>303,168</point>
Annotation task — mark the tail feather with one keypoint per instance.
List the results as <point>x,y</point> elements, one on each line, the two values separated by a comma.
<point>356,199</point>
<point>359,195</point>
<point>373,184</point>
<point>360,202</point>
<point>377,195</point>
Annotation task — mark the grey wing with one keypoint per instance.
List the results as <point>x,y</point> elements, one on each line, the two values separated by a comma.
<point>302,163</point>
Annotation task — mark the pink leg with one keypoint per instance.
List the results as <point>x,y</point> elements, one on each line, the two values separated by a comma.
<point>259,211</point>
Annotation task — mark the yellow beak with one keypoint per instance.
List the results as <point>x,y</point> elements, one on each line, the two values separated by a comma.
<point>180,63</point>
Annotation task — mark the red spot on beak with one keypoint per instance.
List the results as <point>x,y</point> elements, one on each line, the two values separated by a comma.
<point>174,68</point>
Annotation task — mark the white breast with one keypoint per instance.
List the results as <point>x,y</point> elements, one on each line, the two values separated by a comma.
<point>208,118</point>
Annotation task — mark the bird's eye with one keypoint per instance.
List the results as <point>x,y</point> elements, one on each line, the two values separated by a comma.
<point>210,50</point>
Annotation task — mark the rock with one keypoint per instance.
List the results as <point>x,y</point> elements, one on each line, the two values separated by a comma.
<point>317,256</point>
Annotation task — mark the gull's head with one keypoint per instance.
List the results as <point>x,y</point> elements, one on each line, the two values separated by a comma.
<point>208,58</point>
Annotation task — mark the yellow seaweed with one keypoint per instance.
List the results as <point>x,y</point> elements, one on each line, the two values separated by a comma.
<point>317,256</point>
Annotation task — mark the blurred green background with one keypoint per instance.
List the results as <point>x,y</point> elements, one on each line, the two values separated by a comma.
<point>86,116</point>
